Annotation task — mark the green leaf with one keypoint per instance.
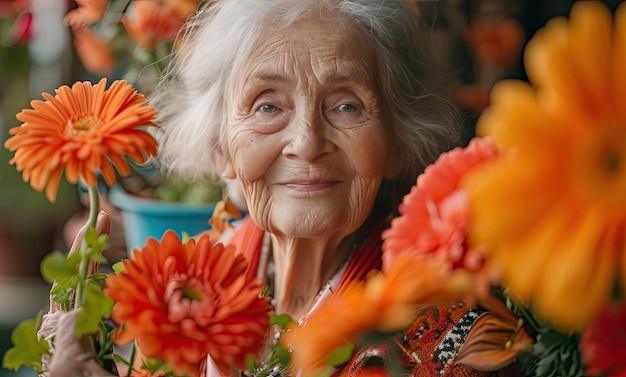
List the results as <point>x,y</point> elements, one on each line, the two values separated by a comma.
<point>557,354</point>
<point>95,243</point>
<point>327,372</point>
<point>340,354</point>
<point>61,295</point>
<point>28,349</point>
<point>118,267</point>
<point>58,267</point>
<point>91,236</point>
<point>121,360</point>
<point>98,279</point>
<point>97,306</point>
<point>281,355</point>
<point>282,320</point>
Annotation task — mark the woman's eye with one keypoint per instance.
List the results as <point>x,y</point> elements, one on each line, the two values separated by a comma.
<point>267,109</point>
<point>347,108</point>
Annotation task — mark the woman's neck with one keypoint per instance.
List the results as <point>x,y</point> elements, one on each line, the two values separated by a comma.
<point>302,268</point>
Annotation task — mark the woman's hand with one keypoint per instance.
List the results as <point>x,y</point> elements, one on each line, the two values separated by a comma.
<point>103,226</point>
<point>72,356</point>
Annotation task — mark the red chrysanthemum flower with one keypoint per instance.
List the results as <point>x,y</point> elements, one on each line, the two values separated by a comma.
<point>82,130</point>
<point>182,302</point>
<point>434,216</point>
<point>602,343</point>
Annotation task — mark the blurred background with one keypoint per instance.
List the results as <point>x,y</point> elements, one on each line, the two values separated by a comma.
<point>481,42</point>
<point>35,56</point>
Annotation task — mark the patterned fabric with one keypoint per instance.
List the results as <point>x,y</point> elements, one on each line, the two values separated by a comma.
<point>433,341</point>
<point>429,347</point>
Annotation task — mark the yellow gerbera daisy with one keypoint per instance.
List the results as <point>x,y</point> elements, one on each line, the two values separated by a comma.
<point>552,210</point>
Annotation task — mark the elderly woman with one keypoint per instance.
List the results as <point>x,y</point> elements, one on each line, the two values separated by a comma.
<point>324,112</point>
<point>321,110</point>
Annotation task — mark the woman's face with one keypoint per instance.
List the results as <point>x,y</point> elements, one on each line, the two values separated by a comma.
<point>305,135</point>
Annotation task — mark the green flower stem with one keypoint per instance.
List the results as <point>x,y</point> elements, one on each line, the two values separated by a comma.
<point>131,360</point>
<point>94,206</point>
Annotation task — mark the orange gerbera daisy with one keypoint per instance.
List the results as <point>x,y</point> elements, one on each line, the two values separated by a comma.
<point>602,343</point>
<point>182,302</point>
<point>149,21</point>
<point>82,130</point>
<point>434,216</point>
<point>552,210</point>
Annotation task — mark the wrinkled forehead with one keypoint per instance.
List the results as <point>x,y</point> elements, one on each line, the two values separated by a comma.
<point>330,47</point>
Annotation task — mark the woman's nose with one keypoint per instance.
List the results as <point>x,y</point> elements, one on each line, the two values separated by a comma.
<point>308,135</point>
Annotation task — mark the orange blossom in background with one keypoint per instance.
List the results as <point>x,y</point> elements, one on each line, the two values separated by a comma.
<point>150,21</point>
<point>87,12</point>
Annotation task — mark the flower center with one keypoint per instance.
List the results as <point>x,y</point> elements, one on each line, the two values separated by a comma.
<point>188,299</point>
<point>613,163</point>
<point>86,123</point>
<point>190,293</point>
<point>600,166</point>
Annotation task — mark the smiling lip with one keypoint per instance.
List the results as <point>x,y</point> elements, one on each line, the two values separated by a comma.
<point>309,186</point>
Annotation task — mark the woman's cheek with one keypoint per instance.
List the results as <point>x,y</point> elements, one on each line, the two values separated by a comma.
<point>249,159</point>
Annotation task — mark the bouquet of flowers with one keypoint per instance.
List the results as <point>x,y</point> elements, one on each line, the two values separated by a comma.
<point>527,221</point>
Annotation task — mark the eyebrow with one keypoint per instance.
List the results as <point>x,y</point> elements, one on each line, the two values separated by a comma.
<point>267,77</point>
<point>348,76</point>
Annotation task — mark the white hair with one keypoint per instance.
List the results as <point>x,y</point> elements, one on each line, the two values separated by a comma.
<point>217,41</point>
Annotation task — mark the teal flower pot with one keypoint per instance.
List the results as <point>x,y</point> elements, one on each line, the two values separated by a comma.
<point>144,217</point>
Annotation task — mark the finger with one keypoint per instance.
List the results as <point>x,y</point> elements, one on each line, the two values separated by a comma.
<point>103,226</point>
<point>103,223</point>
